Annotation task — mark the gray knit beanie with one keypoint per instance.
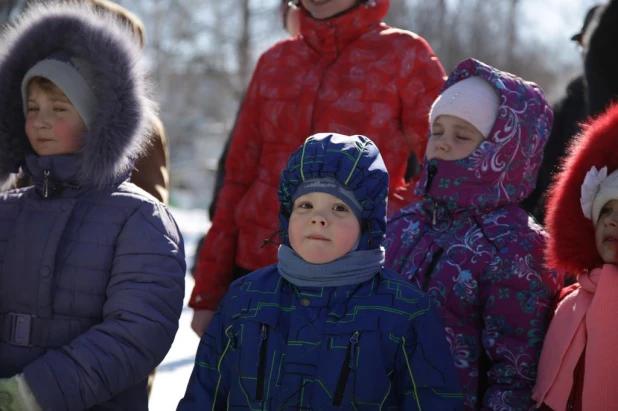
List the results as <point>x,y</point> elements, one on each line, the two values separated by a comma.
<point>72,75</point>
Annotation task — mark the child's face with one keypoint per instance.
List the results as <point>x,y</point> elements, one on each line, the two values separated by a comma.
<point>452,139</point>
<point>53,125</point>
<point>606,232</point>
<point>322,228</point>
<point>324,9</point>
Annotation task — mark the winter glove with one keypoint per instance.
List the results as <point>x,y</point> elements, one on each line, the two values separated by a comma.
<point>15,395</point>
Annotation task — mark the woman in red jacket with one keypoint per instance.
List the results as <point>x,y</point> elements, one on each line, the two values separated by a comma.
<point>578,368</point>
<point>348,73</point>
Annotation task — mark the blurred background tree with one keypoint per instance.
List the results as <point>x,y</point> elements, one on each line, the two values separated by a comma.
<point>201,55</point>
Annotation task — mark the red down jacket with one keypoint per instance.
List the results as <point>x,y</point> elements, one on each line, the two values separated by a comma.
<point>351,74</point>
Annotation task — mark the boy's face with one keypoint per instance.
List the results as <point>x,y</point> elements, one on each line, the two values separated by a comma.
<point>322,228</point>
<point>53,125</point>
<point>452,139</point>
<point>324,9</point>
<point>606,232</point>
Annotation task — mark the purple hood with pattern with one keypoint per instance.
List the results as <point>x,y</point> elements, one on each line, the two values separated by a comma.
<point>503,169</point>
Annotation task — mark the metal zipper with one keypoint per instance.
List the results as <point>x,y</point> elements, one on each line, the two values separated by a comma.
<point>431,174</point>
<point>45,183</point>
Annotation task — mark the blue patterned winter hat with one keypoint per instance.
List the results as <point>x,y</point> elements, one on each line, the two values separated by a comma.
<point>348,167</point>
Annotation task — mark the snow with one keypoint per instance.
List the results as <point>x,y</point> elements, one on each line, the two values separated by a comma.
<point>174,372</point>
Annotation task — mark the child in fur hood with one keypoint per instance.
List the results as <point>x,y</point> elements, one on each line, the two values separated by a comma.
<point>469,244</point>
<point>326,327</point>
<point>91,267</point>
<point>578,368</point>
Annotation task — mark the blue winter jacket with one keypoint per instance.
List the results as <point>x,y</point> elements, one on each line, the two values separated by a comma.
<point>91,267</point>
<point>375,345</point>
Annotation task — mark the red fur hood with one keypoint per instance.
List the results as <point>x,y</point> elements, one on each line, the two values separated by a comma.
<point>571,246</point>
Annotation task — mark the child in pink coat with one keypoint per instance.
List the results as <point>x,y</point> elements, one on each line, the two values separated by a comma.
<point>578,368</point>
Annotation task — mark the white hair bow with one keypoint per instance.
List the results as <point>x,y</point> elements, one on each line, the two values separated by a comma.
<point>590,189</point>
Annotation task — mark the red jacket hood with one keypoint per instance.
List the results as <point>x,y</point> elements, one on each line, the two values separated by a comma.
<point>571,246</point>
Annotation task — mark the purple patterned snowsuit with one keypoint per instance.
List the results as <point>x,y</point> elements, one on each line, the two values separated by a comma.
<point>477,253</point>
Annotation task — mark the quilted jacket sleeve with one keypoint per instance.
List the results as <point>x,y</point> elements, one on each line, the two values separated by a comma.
<point>425,376</point>
<point>516,294</point>
<point>208,388</point>
<point>140,319</point>
<point>421,79</point>
<point>419,89</point>
<point>217,258</point>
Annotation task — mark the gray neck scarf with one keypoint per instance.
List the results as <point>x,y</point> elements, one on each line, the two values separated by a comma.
<point>353,268</point>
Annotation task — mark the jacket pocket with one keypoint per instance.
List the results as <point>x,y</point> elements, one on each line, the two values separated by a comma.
<point>353,368</point>
<point>257,350</point>
<point>262,356</point>
<point>348,364</point>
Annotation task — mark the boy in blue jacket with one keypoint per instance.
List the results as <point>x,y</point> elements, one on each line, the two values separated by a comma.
<point>327,327</point>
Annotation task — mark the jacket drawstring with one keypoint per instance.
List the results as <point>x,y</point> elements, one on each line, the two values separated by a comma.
<point>270,240</point>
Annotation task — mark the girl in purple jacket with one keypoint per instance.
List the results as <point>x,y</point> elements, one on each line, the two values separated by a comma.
<point>469,244</point>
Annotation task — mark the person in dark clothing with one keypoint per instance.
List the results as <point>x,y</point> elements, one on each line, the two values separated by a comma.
<point>569,112</point>
<point>601,61</point>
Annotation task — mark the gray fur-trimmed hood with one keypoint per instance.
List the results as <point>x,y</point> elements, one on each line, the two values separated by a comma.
<point>120,130</point>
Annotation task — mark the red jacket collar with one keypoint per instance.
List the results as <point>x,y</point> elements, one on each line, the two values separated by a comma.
<point>333,35</point>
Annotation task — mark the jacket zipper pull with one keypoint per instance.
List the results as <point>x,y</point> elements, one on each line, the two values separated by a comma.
<point>353,342</point>
<point>346,366</point>
<point>263,336</point>
<point>45,183</point>
<point>431,174</point>
<point>261,364</point>
<point>434,217</point>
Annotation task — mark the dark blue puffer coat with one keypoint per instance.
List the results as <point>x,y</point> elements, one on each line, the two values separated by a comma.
<point>375,345</point>
<point>91,267</point>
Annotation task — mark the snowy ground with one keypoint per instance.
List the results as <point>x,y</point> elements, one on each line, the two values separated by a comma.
<point>173,373</point>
